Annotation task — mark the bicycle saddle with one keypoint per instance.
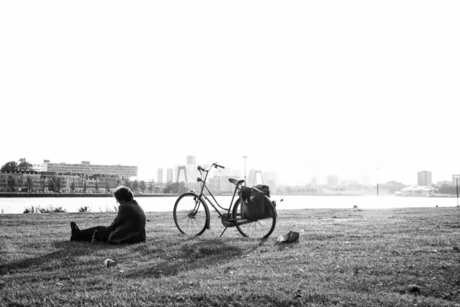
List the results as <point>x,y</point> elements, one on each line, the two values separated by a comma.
<point>235,181</point>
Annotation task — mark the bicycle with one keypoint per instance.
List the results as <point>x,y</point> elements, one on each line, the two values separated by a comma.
<point>192,216</point>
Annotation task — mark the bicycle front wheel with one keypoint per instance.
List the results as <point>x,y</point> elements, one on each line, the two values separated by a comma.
<point>260,229</point>
<point>191,214</point>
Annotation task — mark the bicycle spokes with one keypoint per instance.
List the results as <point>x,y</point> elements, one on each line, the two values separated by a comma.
<point>190,214</point>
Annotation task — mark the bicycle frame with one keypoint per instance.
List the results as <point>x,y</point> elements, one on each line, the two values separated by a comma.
<point>209,201</point>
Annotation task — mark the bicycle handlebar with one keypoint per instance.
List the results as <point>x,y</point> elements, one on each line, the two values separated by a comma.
<point>215,165</point>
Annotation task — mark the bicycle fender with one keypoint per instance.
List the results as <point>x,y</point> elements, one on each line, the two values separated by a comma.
<point>271,204</point>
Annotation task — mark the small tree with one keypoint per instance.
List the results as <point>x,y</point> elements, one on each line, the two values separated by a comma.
<point>29,183</point>
<point>135,185</point>
<point>42,184</point>
<point>11,166</point>
<point>11,183</point>
<point>72,186</point>
<point>127,183</point>
<point>175,188</point>
<point>51,185</point>
<point>84,186</point>
<point>118,181</point>
<point>97,185</point>
<point>107,187</point>
<point>24,166</point>
<point>142,186</point>
<point>150,187</point>
<point>58,184</point>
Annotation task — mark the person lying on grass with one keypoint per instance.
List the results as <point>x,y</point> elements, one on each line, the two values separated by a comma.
<point>128,226</point>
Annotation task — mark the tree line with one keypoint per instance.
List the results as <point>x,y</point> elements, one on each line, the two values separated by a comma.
<point>13,166</point>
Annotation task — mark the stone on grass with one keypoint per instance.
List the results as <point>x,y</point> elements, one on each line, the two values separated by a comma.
<point>290,237</point>
<point>413,289</point>
<point>109,263</point>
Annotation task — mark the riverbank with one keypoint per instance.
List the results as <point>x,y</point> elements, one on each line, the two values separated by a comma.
<point>25,194</point>
<point>157,203</point>
<point>345,257</point>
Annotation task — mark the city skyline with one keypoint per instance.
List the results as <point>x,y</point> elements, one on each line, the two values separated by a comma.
<point>315,174</point>
<point>344,87</point>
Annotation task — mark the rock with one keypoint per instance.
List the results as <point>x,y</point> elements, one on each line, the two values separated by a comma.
<point>298,294</point>
<point>109,262</point>
<point>290,237</point>
<point>281,239</point>
<point>413,289</point>
<point>293,236</point>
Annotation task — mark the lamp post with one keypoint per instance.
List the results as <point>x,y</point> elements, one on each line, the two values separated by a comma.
<point>456,184</point>
<point>245,157</point>
<point>377,172</point>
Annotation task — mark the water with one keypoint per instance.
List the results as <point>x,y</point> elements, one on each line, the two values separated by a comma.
<point>102,204</point>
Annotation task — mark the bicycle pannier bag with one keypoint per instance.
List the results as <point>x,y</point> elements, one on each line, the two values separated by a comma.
<point>255,205</point>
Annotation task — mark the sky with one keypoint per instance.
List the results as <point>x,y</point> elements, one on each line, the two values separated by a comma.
<point>299,87</point>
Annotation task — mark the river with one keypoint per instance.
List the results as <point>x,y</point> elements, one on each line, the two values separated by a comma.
<point>17,205</point>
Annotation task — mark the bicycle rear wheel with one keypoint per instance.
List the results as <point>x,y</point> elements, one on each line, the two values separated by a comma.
<point>191,214</point>
<point>260,229</point>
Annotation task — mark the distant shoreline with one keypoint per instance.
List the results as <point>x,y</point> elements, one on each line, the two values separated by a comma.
<point>26,194</point>
<point>23,195</point>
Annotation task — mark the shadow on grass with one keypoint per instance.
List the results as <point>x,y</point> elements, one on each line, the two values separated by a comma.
<point>203,254</point>
<point>67,251</point>
<point>177,255</point>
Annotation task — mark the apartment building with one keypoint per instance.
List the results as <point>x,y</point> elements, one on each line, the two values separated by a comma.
<point>86,168</point>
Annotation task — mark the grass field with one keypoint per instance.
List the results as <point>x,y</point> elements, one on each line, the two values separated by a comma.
<point>404,257</point>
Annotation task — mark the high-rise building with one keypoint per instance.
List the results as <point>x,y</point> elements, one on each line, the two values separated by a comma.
<point>313,182</point>
<point>365,180</point>
<point>169,175</point>
<point>160,175</point>
<point>191,160</point>
<point>424,178</point>
<point>332,180</point>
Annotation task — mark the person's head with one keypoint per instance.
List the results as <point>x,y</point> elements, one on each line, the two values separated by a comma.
<point>123,194</point>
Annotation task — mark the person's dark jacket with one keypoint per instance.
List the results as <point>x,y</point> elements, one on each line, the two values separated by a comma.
<point>129,225</point>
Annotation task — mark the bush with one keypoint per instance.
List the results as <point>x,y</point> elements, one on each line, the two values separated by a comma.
<point>50,209</point>
<point>29,210</point>
<point>59,210</point>
<point>84,209</point>
<point>109,209</point>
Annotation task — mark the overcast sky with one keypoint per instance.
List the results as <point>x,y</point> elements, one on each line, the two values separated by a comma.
<point>337,86</point>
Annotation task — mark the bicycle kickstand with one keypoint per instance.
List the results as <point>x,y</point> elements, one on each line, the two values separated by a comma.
<point>223,232</point>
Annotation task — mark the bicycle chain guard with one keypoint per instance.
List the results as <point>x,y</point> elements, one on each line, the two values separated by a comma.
<point>224,221</point>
